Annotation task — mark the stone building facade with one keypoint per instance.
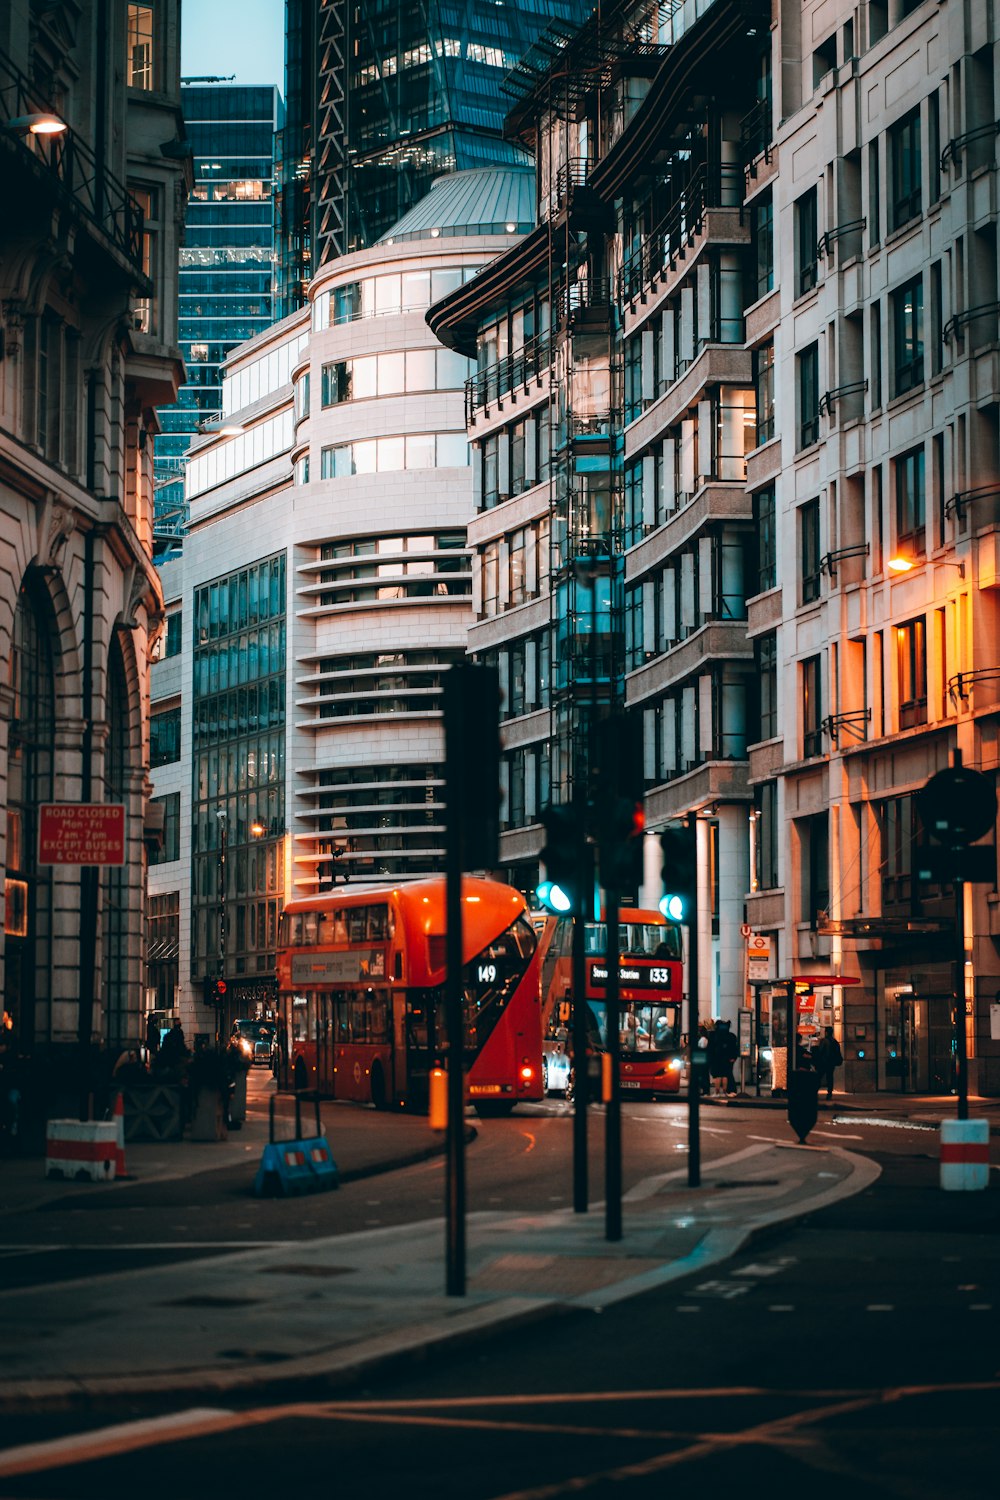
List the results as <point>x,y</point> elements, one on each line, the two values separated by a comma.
<point>87,323</point>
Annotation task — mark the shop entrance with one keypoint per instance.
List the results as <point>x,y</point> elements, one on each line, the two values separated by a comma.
<point>916,1052</point>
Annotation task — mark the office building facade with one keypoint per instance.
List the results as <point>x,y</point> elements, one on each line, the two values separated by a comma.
<point>227,265</point>
<point>324,589</point>
<point>381,100</point>
<point>743,365</point>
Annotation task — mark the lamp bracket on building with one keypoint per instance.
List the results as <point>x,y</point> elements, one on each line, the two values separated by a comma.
<point>959,685</point>
<point>956,503</point>
<point>953,328</point>
<point>829,399</point>
<point>825,241</point>
<point>828,562</point>
<point>953,151</point>
<point>852,723</point>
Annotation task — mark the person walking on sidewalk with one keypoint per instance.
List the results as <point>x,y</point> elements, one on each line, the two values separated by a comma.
<point>729,1049</point>
<point>827,1056</point>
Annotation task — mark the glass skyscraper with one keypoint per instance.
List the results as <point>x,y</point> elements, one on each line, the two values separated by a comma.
<point>383,98</point>
<point>227,266</point>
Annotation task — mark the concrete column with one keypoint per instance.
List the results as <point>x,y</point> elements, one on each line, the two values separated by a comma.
<point>734,880</point>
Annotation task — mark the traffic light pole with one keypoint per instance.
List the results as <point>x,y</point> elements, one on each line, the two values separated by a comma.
<point>697,1060</point>
<point>958,886</point>
<point>612,1117</point>
<point>580,1062</point>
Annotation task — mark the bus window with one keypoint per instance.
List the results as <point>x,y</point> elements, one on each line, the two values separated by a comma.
<point>300,1019</point>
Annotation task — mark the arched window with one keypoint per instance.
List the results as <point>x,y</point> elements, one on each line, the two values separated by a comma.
<point>29,782</point>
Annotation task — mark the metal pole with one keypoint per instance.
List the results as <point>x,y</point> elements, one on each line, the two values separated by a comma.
<point>580,1063</point>
<point>697,1061</point>
<point>612,1117</point>
<point>454,1133</point>
<point>960,1039</point>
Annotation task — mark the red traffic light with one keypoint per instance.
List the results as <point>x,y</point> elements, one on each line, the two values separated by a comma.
<point>220,986</point>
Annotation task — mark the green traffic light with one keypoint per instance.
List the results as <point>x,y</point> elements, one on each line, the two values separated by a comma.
<point>554,898</point>
<point>672,908</point>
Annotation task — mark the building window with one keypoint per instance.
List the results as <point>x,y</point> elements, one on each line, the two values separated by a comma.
<point>767,836</point>
<point>910,503</point>
<point>171,846</point>
<point>806,236</point>
<point>904,156</point>
<point>139,60</point>
<point>165,737</point>
<point>814,849</point>
<point>808,372</point>
<point>911,673</point>
<point>764,386</point>
<point>174,634</point>
<point>147,200</point>
<point>763,223</point>
<point>336,383</point>
<point>809,553</point>
<point>812,708</point>
<point>908,336</point>
<point>765,519</point>
<point>766,652</point>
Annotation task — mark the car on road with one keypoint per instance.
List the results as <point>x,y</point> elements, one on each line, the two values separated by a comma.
<point>256,1039</point>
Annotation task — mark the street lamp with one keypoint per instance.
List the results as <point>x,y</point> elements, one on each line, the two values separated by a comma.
<point>901,564</point>
<point>41,123</point>
<point>221,957</point>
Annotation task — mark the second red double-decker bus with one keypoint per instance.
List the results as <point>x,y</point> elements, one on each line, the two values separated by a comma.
<point>650,977</point>
<point>361,994</point>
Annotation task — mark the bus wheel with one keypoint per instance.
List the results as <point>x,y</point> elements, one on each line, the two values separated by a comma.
<point>495,1109</point>
<point>301,1077</point>
<point>378,1086</point>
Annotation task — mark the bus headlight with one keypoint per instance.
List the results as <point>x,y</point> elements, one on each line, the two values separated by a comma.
<point>676,1063</point>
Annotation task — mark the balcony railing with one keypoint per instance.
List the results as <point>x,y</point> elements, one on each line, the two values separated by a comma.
<point>78,172</point>
<point>676,232</point>
<point>956,325</point>
<point>826,241</point>
<point>508,374</point>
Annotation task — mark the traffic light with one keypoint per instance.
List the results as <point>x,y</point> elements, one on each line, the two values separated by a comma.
<point>680,871</point>
<point>215,992</point>
<point>566,859</point>
<point>622,828</point>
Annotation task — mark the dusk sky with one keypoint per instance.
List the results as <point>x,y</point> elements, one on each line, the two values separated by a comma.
<point>245,37</point>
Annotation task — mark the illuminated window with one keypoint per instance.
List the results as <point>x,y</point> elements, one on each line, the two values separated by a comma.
<point>139,60</point>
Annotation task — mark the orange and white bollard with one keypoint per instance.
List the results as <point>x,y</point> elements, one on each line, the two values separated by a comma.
<point>965,1155</point>
<point>118,1115</point>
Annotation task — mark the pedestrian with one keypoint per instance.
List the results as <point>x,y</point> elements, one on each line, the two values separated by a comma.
<point>704,1070</point>
<point>717,1066</point>
<point>827,1056</point>
<point>729,1048</point>
<point>173,1049</point>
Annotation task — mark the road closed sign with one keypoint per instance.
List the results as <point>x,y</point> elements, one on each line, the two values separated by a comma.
<point>758,956</point>
<point>81,833</point>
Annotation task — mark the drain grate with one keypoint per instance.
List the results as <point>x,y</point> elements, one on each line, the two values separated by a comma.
<point>304,1270</point>
<point>755,1183</point>
<point>206,1300</point>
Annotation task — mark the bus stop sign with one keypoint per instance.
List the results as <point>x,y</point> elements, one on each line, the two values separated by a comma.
<point>957,806</point>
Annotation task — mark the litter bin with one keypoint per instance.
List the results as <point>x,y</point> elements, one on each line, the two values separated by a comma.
<point>803,1088</point>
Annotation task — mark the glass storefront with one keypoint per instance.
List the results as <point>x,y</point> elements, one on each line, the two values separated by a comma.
<point>916,1035</point>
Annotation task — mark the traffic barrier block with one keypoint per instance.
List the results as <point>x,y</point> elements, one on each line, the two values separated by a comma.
<point>83,1149</point>
<point>965,1155</point>
<point>288,1168</point>
<point>118,1120</point>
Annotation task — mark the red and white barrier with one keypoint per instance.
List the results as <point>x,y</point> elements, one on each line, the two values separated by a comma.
<point>965,1155</point>
<point>118,1120</point>
<point>84,1149</point>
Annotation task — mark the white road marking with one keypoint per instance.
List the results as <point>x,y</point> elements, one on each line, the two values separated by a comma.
<point>880,1307</point>
<point>782,1307</point>
<point>837,1135</point>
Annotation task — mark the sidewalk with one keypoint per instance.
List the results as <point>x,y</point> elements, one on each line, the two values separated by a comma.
<point>320,1313</point>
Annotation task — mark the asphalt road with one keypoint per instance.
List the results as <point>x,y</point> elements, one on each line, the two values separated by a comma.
<point>858,1352</point>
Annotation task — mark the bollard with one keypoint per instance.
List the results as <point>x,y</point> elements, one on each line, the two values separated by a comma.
<point>965,1155</point>
<point>437,1107</point>
<point>605,1077</point>
<point>803,1108</point>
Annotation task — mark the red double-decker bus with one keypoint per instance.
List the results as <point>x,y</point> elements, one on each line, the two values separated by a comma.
<point>651,981</point>
<point>361,994</point>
